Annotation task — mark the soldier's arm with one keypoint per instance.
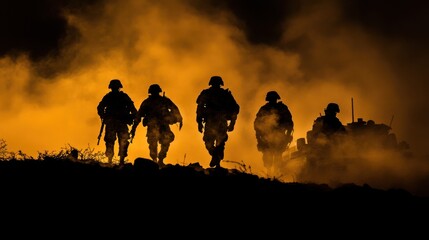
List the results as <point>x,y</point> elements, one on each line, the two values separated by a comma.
<point>101,108</point>
<point>176,113</point>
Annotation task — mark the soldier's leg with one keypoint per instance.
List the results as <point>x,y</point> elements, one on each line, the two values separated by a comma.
<point>163,153</point>
<point>268,157</point>
<point>211,135</point>
<point>218,153</point>
<point>152,140</point>
<point>210,146</point>
<point>277,162</point>
<point>220,150</point>
<point>123,140</point>
<point>209,142</point>
<point>153,149</point>
<point>110,138</point>
<point>166,139</point>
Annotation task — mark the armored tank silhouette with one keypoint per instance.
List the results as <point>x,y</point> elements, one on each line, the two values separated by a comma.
<point>362,140</point>
<point>366,134</point>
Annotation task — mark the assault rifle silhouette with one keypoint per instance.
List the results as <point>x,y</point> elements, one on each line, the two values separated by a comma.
<point>101,132</point>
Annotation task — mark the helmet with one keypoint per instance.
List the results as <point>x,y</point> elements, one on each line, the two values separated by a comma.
<point>154,89</point>
<point>216,81</point>
<point>115,84</point>
<point>332,107</point>
<point>272,96</point>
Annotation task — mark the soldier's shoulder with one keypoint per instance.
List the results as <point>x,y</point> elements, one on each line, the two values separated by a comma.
<point>320,118</point>
<point>208,91</point>
<point>265,107</point>
<point>204,94</point>
<point>147,101</point>
<point>227,90</point>
<point>108,94</point>
<point>167,100</point>
<point>281,104</point>
<point>124,95</point>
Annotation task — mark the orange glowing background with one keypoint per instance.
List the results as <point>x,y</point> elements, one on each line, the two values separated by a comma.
<point>320,56</point>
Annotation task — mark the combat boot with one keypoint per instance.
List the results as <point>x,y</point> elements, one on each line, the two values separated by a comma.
<point>215,162</point>
<point>121,161</point>
<point>161,163</point>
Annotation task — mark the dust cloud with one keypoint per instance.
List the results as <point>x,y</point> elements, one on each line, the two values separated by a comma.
<point>321,56</point>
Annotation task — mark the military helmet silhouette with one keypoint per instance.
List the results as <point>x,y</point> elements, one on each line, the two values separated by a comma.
<point>216,81</point>
<point>272,96</point>
<point>154,89</point>
<point>332,107</point>
<point>115,84</point>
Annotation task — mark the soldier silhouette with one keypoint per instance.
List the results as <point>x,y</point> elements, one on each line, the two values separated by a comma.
<point>217,113</point>
<point>323,140</point>
<point>326,127</point>
<point>158,113</point>
<point>117,111</point>
<point>274,127</point>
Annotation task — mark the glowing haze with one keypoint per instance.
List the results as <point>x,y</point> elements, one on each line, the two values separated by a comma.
<point>321,56</point>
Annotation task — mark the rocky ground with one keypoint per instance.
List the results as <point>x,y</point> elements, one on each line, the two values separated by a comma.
<point>189,196</point>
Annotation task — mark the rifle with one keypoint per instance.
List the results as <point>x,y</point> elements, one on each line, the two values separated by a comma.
<point>101,131</point>
<point>133,131</point>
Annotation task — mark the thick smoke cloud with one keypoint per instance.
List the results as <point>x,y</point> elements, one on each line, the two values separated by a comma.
<point>57,58</point>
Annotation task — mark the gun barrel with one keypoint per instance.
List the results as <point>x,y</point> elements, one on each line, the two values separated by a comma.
<point>101,132</point>
<point>133,131</point>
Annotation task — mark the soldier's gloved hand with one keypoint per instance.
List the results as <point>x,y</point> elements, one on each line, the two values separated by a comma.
<point>180,125</point>
<point>200,127</point>
<point>231,126</point>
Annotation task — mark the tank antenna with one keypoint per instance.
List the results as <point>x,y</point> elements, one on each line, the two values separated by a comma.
<point>391,121</point>
<point>353,112</point>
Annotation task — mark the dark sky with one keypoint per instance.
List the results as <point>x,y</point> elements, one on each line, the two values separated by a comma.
<point>39,27</point>
<point>57,56</point>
